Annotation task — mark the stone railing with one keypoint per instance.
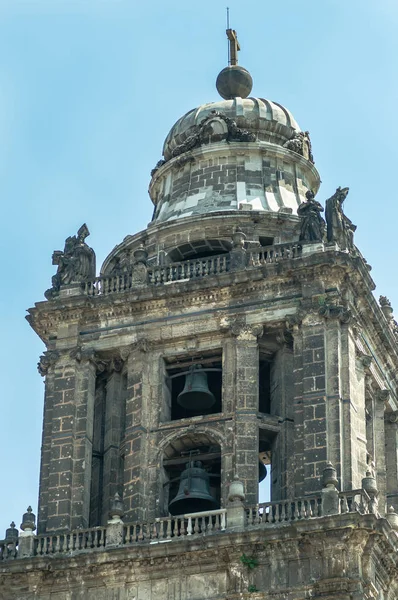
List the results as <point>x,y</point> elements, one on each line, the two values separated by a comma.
<point>284,510</point>
<point>190,269</point>
<point>71,541</point>
<point>173,527</point>
<point>8,550</point>
<point>236,517</point>
<point>273,254</point>
<point>356,501</point>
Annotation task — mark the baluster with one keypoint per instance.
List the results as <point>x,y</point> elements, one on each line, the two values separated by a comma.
<point>167,530</point>
<point>344,505</point>
<point>133,533</point>
<point>189,528</point>
<point>299,509</point>
<point>223,521</point>
<point>196,525</point>
<point>155,533</point>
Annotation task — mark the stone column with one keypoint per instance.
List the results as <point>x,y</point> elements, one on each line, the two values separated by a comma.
<point>391,437</point>
<point>246,424</point>
<point>71,441</point>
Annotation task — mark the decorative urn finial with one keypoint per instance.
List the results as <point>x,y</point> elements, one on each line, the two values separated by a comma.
<point>28,520</point>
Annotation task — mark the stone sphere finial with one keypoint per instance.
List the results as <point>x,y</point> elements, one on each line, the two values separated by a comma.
<point>234,82</point>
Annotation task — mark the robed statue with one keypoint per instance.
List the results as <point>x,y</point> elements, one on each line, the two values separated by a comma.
<point>75,264</point>
<point>312,223</point>
<point>340,228</point>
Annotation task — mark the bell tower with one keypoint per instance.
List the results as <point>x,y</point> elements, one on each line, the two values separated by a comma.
<point>235,339</point>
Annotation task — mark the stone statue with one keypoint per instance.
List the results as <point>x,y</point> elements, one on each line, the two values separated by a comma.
<point>312,224</point>
<point>339,227</point>
<point>75,264</point>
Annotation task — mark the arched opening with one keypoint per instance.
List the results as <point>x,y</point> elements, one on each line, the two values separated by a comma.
<point>199,489</point>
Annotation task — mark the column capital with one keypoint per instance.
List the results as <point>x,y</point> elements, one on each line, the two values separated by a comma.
<point>238,328</point>
<point>47,360</point>
<point>141,345</point>
<point>88,355</point>
<point>382,395</point>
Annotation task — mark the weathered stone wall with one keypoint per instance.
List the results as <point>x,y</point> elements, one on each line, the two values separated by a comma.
<point>350,557</point>
<point>260,180</point>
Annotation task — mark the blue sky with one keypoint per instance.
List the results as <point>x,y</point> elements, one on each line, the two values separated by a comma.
<point>89,90</point>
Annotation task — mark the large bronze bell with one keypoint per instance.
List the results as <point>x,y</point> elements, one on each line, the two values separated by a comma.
<point>196,394</point>
<point>194,491</point>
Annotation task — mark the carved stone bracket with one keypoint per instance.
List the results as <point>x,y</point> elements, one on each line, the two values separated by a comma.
<point>46,360</point>
<point>392,417</point>
<point>335,311</point>
<point>365,359</point>
<point>382,395</point>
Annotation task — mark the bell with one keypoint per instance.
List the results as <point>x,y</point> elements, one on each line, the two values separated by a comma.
<point>196,394</point>
<point>263,459</point>
<point>194,492</point>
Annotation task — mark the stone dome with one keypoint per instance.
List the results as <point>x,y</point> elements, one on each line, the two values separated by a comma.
<point>266,120</point>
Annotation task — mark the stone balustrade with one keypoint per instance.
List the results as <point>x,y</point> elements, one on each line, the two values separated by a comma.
<point>189,270</point>
<point>117,533</point>
<point>8,550</point>
<point>173,527</point>
<point>71,541</point>
<point>356,501</point>
<point>273,254</point>
<point>284,510</point>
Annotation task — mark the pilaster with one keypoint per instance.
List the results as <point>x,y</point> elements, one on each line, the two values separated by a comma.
<point>391,439</point>
<point>380,448</point>
<point>135,436</point>
<point>112,475</point>
<point>246,424</point>
<point>282,404</point>
<point>71,441</point>
<point>46,367</point>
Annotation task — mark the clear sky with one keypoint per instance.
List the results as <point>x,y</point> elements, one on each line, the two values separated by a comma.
<point>89,90</point>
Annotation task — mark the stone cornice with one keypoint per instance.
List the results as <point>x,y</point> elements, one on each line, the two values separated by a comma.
<point>259,284</point>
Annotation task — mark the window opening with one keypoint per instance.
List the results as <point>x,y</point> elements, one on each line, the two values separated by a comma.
<point>194,387</point>
<point>266,241</point>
